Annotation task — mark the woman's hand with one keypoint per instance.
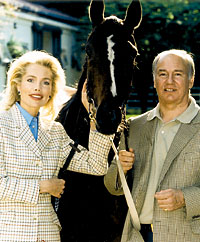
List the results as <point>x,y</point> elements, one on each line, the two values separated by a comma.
<point>53,186</point>
<point>84,98</point>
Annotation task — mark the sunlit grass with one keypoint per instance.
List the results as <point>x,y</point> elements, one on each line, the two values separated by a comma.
<point>132,112</point>
<point>131,115</point>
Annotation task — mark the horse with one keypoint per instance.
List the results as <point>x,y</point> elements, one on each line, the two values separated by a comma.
<point>86,208</point>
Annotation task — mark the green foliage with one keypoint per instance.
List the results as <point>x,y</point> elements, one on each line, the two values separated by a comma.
<point>15,48</point>
<point>165,25</point>
<point>169,24</point>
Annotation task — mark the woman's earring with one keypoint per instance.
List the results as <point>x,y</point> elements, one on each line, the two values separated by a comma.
<point>19,93</point>
<point>49,97</point>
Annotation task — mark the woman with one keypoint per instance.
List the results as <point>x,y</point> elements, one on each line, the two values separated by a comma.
<point>33,148</point>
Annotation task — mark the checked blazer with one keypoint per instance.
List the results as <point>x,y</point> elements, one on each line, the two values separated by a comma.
<point>25,214</point>
<point>181,170</point>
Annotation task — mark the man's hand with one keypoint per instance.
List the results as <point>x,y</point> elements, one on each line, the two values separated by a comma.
<point>127,159</point>
<point>53,186</point>
<point>170,199</point>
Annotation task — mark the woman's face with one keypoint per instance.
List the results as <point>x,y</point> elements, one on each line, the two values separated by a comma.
<point>35,88</point>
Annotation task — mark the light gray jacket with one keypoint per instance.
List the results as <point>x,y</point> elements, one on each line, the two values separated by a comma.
<point>181,170</point>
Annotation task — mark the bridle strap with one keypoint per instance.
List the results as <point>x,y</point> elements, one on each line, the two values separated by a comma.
<point>70,156</point>
<point>64,168</point>
<point>92,110</point>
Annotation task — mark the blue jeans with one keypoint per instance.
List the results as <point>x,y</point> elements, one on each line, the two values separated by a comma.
<point>146,232</point>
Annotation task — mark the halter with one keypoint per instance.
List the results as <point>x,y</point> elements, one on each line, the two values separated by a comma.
<point>92,111</point>
<point>122,126</point>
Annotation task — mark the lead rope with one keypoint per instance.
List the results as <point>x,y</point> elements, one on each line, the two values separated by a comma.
<point>127,193</point>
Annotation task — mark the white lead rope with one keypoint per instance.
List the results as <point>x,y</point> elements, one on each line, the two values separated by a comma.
<point>127,193</point>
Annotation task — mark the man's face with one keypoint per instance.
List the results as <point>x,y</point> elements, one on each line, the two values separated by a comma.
<point>171,80</point>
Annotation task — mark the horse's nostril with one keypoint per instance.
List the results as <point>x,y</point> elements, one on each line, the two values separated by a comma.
<point>108,120</point>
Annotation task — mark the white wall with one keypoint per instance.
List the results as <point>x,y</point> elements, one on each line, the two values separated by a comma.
<point>20,30</point>
<point>68,41</point>
<point>20,27</point>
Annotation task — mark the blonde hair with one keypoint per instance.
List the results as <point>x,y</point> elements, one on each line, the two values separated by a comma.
<point>18,69</point>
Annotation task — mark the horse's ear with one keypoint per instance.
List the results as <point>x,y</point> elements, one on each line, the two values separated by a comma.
<point>133,15</point>
<point>96,12</point>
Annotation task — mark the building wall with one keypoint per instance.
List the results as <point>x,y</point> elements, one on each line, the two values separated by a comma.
<point>19,28</point>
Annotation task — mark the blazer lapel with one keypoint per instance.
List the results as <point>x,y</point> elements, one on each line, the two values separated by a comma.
<point>43,136</point>
<point>24,133</point>
<point>146,143</point>
<point>26,136</point>
<point>183,136</point>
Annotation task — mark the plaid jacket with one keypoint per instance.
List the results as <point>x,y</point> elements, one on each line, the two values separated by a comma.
<point>181,170</point>
<point>26,215</point>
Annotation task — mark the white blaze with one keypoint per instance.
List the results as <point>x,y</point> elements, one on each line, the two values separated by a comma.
<point>111,57</point>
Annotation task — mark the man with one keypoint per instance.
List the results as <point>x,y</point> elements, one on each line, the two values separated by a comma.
<point>165,165</point>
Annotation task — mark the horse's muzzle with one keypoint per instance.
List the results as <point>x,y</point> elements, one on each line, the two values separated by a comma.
<point>108,118</point>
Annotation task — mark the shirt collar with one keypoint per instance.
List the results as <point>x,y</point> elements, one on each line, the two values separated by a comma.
<point>25,114</point>
<point>185,117</point>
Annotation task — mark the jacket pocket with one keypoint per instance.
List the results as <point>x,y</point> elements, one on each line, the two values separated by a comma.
<point>195,225</point>
<point>55,219</point>
<point>7,223</point>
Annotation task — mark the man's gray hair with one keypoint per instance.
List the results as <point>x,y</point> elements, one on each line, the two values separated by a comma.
<point>187,57</point>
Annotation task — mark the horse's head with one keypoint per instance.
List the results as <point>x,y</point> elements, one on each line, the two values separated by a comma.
<point>111,52</point>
